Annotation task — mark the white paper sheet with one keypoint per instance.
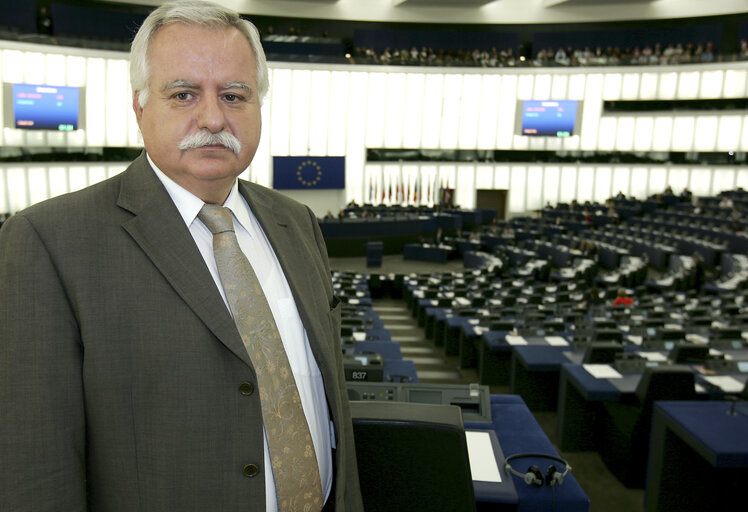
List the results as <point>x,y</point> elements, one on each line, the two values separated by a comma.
<point>726,383</point>
<point>556,341</point>
<point>602,371</point>
<point>653,356</point>
<point>483,465</point>
<point>515,340</point>
<point>359,336</point>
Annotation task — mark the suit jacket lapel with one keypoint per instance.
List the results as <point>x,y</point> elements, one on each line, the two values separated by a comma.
<point>161,233</point>
<point>278,228</point>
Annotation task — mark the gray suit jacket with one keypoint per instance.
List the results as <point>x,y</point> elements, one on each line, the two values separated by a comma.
<point>120,365</point>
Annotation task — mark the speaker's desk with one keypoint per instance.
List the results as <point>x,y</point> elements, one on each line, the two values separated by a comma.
<point>698,456</point>
<point>518,432</point>
<point>422,252</point>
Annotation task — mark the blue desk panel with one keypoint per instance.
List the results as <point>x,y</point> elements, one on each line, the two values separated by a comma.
<point>519,432</point>
<point>698,457</point>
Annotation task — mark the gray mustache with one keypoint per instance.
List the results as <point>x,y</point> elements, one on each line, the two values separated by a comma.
<point>206,138</point>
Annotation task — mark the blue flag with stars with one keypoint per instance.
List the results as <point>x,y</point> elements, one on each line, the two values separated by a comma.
<point>308,172</point>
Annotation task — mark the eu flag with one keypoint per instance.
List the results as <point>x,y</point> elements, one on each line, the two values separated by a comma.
<point>308,172</point>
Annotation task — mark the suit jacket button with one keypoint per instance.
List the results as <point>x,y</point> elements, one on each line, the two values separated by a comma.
<point>251,470</point>
<point>246,388</point>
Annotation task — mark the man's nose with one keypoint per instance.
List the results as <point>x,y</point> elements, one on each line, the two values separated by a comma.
<point>210,115</point>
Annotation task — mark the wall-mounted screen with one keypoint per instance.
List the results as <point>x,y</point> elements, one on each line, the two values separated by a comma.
<point>43,107</point>
<point>549,118</point>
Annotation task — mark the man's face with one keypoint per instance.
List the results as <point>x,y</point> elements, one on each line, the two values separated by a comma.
<point>202,81</point>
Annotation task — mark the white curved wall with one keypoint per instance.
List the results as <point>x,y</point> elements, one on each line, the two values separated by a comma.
<point>340,110</point>
<point>499,11</point>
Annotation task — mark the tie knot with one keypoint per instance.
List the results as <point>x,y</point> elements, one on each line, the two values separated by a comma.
<point>216,218</point>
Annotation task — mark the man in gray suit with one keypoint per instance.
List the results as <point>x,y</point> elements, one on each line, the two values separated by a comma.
<point>124,381</point>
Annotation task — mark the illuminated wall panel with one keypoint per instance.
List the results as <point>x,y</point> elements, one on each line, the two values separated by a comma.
<point>337,123</point>
<point>38,189</point>
<point>432,111</point>
<point>625,133</point>
<point>678,178</point>
<point>299,130</point>
<point>465,190</point>
<point>488,114</point>
<point>744,135</point>
<point>728,135</point>
<point>394,108</point>
<point>117,111</point>
<point>648,87</point>
<point>55,70</point>
<point>723,179</point>
<point>534,188</point>
<point>711,84</point>
<point>469,112</point>
<point>705,136</point>
<point>507,111</point>
<point>375,109</point>
<point>603,183</point>
<point>576,87</point>
<point>643,133</point>
<point>585,184</point>
<point>95,98</point>
<point>701,181</point>
<point>4,193</point>
<point>551,182</point>
<point>568,190</point>
<point>501,177</point>
<point>17,188</point>
<point>735,83</point>
<point>413,110</point>
<point>663,133</point>
<point>621,177</point>
<point>543,88</point>
<point>34,67</point>
<point>96,173</point>
<point>688,85</point>
<point>484,177</point>
<point>77,177</point>
<point>279,100</point>
<point>319,112</point>
<point>559,87</point>
<point>630,86</point>
<point>657,180</point>
<point>606,139</point>
<point>666,88</point>
<point>517,189</point>
<point>450,120</point>
<point>612,86</point>
<point>683,131</point>
<point>591,111</point>
<point>742,179</point>
<point>525,87</point>
<point>639,180</point>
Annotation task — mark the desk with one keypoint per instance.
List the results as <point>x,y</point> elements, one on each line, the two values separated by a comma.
<point>698,456</point>
<point>535,374</point>
<point>518,432</point>
<point>425,253</point>
<point>394,370</point>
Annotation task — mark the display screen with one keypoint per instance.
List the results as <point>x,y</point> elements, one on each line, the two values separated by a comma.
<point>45,107</point>
<point>549,118</point>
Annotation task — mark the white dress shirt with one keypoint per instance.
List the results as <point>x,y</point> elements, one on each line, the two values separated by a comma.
<point>259,252</point>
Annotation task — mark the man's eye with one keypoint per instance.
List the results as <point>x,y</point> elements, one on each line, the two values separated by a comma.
<point>182,96</point>
<point>232,98</point>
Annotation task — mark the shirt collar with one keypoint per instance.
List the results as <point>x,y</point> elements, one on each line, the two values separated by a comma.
<point>189,204</point>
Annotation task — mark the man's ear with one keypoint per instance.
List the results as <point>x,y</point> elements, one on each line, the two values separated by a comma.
<point>136,106</point>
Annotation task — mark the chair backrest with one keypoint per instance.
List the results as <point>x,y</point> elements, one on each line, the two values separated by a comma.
<point>412,456</point>
<point>665,383</point>
<point>602,352</point>
<point>688,353</point>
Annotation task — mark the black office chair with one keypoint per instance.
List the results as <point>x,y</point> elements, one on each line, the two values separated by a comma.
<point>412,456</point>
<point>607,335</point>
<point>602,353</point>
<point>625,427</point>
<point>688,353</point>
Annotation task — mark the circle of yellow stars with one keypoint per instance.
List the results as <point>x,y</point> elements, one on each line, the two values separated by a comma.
<point>309,182</point>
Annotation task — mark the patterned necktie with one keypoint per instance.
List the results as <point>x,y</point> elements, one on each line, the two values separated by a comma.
<point>294,462</point>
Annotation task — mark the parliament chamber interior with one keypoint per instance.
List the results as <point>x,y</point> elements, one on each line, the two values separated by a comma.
<point>535,214</point>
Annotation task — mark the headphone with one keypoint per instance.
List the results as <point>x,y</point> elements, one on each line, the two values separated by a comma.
<point>534,475</point>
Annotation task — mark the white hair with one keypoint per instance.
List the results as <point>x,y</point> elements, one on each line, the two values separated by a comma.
<point>192,13</point>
